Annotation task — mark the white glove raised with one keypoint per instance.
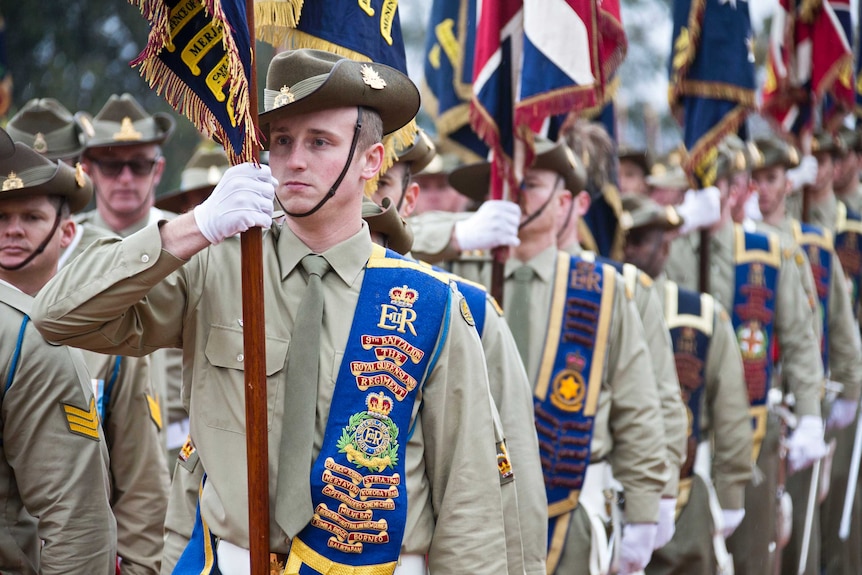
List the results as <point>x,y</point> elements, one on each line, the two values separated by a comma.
<point>804,173</point>
<point>494,224</point>
<point>241,200</point>
<point>731,518</point>
<point>666,522</point>
<point>636,546</point>
<point>699,209</point>
<point>842,414</point>
<point>805,445</point>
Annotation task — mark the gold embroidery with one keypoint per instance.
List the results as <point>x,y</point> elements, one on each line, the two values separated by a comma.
<point>12,182</point>
<point>127,132</point>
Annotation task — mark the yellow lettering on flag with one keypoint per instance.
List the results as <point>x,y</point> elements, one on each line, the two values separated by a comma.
<point>208,38</point>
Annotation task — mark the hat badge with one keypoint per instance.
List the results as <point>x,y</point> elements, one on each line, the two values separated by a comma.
<point>39,143</point>
<point>12,182</point>
<point>127,132</point>
<point>372,78</point>
<point>285,96</point>
<point>87,126</point>
<point>793,155</point>
<point>79,175</point>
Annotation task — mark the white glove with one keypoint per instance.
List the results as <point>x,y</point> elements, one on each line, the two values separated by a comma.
<point>666,522</point>
<point>699,209</point>
<point>241,200</point>
<point>494,224</point>
<point>806,445</point>
<point>804,173</point>
<point>842,414</point>
<point>731,518</point>
<point>752,208</point>
<point>636,546</point>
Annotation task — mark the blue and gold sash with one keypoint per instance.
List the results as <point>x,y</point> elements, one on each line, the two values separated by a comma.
<point>689,317</point>
<point>848,248</point>
<point>358,480</point>
<point>569,381</point>
<point>757,257</point>
<point>817,243</point>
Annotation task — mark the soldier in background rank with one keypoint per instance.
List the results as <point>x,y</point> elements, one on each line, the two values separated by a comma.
<point>126,403</point>
<point>633,168</point>
<point>846,184</point>
<point>198,179</point>
<point>718,463</point>
<point>360,475</point>
<point>55,461</point>
<point>840,346</point>
<point>510,387</point>
<point>743,264</point>
<point>603,390</point>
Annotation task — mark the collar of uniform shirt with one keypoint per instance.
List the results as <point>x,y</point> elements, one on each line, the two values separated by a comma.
<point>543,264</point>
<point>347,258</point>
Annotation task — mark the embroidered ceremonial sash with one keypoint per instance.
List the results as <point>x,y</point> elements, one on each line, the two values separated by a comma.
<point>757,259</point>
<point>817,243</point>
<point>358,481</point>
<point>689,317</point>
<point>199,557</point>
<point>569,381</point>
<point>848,247</point>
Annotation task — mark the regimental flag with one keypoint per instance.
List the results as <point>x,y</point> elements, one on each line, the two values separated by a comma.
<point>198,56</point>
<point>367,30</point>
<point>858,85</point>
<point>711,77</point>
<point>810,58</point>
<point>448,85</point>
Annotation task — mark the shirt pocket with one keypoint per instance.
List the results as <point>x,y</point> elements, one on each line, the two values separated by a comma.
<point>222,383</point>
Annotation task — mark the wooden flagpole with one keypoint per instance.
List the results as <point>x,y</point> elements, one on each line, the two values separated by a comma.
<point>254,346</point>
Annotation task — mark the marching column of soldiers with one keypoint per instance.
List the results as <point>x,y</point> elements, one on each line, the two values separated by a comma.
<point>617,414</point>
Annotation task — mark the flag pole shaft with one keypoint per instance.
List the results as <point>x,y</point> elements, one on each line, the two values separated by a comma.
<point>254,338</point>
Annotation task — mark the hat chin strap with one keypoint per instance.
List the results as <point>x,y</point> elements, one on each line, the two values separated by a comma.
<point>42,246</point>
<point>544,206</point>
<point>329,195</point>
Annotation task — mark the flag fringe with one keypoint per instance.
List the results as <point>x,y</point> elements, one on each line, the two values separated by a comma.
<point>295,39</point>
<point>718,91</point>
<point>707,145</point>
<point>400,139</point>
<point>570,99</point>
<point>273,18</point>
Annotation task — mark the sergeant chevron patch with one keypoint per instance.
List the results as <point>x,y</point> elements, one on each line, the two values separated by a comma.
<point>83,422</point>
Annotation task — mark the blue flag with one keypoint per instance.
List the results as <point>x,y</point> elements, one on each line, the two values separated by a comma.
<point>198,56</point>
<point>711,77</point>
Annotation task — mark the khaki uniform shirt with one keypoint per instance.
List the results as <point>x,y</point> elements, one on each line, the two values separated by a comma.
<point>54,476</point>
<point>845,355</point>
<point>724,408</point>
<point>657,338</point>
<point>167,364</point>
<point>628,416</point>
<point>139,473</point>
<point>853,200</point>
<point>453,484</point>
<point>801,362</point>
<point>432,232</point>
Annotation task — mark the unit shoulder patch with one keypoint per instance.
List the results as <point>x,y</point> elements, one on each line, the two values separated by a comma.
<point>504,464</point>
<point>83,422</point>
<point>188,456</point>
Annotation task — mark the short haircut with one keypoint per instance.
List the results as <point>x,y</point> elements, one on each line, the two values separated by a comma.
<point>372,129</point>
<point>60,203</point>
<point>643,235</point>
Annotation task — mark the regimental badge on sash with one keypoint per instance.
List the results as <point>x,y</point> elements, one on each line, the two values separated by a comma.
<point>370,439</point>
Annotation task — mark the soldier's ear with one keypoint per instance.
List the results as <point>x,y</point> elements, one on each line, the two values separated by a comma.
<point>582,203</point>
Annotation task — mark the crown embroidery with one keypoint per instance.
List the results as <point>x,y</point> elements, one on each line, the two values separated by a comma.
<point>127,131</point>
<point>285,96</point>
<point>372,78</point>
<point>39,144</point>
<point>12,182</point>
<point>403,296</point>
<point>378,405</point>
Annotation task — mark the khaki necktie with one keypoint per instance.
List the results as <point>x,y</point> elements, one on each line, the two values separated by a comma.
<point>293,508</point>
<point>518,309</point>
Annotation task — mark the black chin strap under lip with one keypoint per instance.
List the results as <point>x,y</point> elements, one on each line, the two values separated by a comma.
<point>42,246</point>
<point>541,209</point>
<point>331,192</point>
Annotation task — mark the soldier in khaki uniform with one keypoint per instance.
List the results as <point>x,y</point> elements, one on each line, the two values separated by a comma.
<point>55,462</point>
<point>123,155</point>
<point>801,363</point>
<point>628,408</point>
<point>841,340</point>
<point>846,185</point>
<point>716,401</point>
<point>124,395</point>
<point>324,119</point>
<point>510,387</point>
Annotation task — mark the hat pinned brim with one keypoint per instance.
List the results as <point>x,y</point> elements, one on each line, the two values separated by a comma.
<point>305,81</point>
<point>384,219</point>
<point>59,180</point>
<point>155,129</point>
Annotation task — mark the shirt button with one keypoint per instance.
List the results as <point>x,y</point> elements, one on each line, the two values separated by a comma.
<point>145,258</point>
<point>240,357</point>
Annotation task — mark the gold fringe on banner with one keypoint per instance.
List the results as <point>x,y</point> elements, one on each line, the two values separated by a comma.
<point>274,18</point>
